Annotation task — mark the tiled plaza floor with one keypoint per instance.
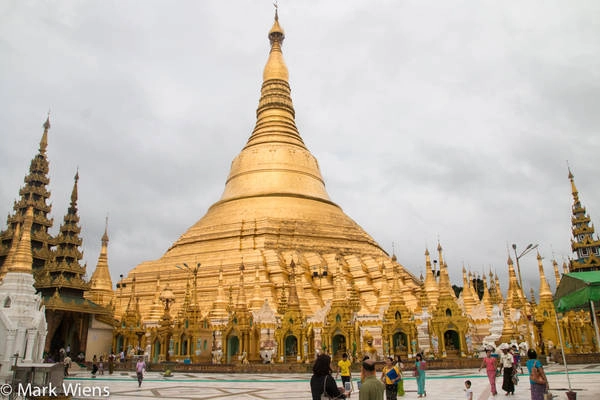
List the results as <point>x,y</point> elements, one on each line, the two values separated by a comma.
<point>440,385</point>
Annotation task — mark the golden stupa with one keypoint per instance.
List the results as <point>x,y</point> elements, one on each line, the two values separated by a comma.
<point>274,210</point>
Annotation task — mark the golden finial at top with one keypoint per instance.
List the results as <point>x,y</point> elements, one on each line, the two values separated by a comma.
<point>276,34</point>
<point>47,122</point>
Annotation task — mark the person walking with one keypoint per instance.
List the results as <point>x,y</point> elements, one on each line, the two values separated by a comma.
<point>489,363</point>
<point>371,388</point>
<point>140,368</point>
<point>507,361</point>
<point>420,366</point>
<point>344,369</point>
<point>322,382</point>
<point>537,377</point>
<point>390,375</point>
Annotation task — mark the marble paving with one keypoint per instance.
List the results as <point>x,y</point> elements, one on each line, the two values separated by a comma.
<point>440,385</point>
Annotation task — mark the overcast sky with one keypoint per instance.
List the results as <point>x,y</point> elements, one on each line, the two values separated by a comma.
<point>431,120</point>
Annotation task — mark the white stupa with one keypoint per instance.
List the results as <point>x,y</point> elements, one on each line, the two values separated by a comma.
<point>22,316</point>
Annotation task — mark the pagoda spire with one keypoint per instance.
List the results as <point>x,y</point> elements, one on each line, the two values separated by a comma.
<point>445,285</point>
<point>22,258</point>
<point>156,309</point>
<point>473,288</point>
<point>11,252</point>
<point>431,288</point>
<point>35,194</point>
<point>487,298</point>
<point>556,272</point>
<point>275,114</point>
<point>583,244</point>
<point>275,154</point>
<point>44,140</point>
<point>545,291</point>
<point>440,255</point>
<point>257,296</point>
<point>241,298</point>
<point>219,308</point>
<point>294,301</point>
<point>467,293</point>
<point>101,283</point>
<point>385,294</point>
<point>65,268</point>
<point>495,290</point>
<point>514,293</point>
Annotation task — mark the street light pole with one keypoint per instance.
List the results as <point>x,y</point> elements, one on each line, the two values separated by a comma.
<point>530,247</point>
<point>121,290</point>
<point>194,273</point>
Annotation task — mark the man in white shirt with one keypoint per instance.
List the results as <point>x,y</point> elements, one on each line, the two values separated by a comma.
<point>507,361</point>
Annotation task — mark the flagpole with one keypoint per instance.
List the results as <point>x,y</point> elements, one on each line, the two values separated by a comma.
<point>562,348</point>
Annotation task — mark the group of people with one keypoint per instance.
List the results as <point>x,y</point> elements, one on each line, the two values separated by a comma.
<point>509,364</point>
<point>390,383</point>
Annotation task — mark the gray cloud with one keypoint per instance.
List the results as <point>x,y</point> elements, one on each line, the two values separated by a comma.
<point>429,120</point>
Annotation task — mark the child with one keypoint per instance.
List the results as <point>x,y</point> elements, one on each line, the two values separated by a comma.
<point>468,390</point>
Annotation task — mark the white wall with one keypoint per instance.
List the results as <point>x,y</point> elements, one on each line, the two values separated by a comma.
<point>99,340</point>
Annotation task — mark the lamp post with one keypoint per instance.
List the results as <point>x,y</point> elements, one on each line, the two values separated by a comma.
<point>319,272</point>
<point>194,272</point>
<point>530,247</point>
<point>120,286</point>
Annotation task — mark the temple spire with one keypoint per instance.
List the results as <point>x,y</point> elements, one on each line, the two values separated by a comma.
<point>44,140</point>
<point>487,298</point>
<point>467,292</point>
<point>431,287</point>
<point>583,244</point>
<point>219,307</point>
<point>101,283</point>
<point>22,258</point>
<point>65,269</point>
<point>257,300</point>
<point>294,301</point>
<point>545,291</point>
<point>241,298</point>
<point>275,116</point>
<point>12,250</point>
<point>514,295</point>
<point>556,273</point>
<point>33,193</point>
